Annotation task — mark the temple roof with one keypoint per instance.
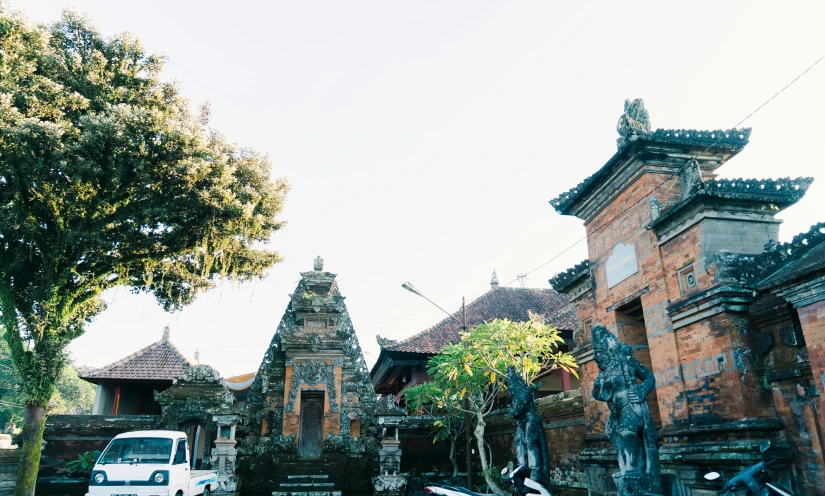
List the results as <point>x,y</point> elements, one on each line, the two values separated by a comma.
<point>732,141</point>
<point>780,193</point>
<point>160,361</point>
<point>240,382</point>
<point>564,280</point>
<point>785,262</point>
<point>501,303</point>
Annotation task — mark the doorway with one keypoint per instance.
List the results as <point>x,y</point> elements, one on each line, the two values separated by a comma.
<point>311,437</point>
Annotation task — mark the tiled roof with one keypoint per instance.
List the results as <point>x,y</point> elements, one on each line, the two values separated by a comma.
<point>160,361</point>
<point>501,303</point>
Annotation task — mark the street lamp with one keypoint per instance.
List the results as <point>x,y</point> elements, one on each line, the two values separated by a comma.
<point>463,323</point>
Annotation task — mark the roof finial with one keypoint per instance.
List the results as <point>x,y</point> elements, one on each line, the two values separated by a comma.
<point>166,333</point>
<point>198,356</point>
<point>494,280</point>
<point>319,263</point>
<point>634,122</point>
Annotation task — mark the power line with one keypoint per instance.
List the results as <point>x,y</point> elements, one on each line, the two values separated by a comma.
<point>668,178</point>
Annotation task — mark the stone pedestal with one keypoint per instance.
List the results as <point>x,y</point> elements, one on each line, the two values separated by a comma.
<point>390,485</point>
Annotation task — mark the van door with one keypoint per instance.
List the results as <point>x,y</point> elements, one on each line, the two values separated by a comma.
<point>179,470</point>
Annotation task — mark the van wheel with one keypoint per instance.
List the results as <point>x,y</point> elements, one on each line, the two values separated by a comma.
<point>207,492</point>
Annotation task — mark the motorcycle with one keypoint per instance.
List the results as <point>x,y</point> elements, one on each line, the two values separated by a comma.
<point>750,479</point>
<point>519,477</point>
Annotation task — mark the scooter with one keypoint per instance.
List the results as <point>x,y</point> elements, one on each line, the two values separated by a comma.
<point>750,479</point>
<point>518,477</point>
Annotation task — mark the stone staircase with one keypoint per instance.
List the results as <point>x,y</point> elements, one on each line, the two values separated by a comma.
<point>307,485</point>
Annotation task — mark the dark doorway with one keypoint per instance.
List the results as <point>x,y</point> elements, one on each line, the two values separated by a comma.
<point>311,440</point>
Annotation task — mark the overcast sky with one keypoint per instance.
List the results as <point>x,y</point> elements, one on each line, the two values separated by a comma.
<point>423,140</point>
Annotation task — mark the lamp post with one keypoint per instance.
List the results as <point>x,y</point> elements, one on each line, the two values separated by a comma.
<point>463,323</point>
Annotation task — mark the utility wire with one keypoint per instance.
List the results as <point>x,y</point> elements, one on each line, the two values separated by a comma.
<point>668,178</point>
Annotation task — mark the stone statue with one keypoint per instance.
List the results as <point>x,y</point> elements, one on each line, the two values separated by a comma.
<point>530,441</point>
<point>630,426</point>
<point>634,122</point>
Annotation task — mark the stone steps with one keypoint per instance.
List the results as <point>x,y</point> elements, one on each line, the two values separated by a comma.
<point>307,485</point>
<point>307,493</point>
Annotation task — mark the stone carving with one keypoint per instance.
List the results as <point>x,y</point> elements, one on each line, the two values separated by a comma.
<point>630,426</point>
<point>384,342</point>
<point>691,179</point>
<point>200,374</point>
<point>319,263</point>
<point>314,343</point>
<point>634,122</point>
<point>730,138</point>
<point>312,374</point>
<point>530,441</point>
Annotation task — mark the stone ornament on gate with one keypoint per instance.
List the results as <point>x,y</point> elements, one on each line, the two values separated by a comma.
<point>630,425</point>
<point>313,373</point>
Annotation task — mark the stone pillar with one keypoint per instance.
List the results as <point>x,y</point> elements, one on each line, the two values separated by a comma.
<point>223,454</point>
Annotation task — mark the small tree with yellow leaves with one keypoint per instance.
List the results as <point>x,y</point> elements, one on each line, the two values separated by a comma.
<point>469,375</point>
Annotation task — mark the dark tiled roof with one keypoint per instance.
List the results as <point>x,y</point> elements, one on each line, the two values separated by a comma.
<point>160,361</point>
<point>785,262</point>
<point>733,140</point>
<point>501,303</point>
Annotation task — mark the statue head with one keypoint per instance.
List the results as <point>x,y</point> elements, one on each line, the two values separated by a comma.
<point>606,346</point>
<point>520,393</point>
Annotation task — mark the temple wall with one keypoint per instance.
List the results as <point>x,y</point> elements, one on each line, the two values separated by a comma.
<point>9,461</point>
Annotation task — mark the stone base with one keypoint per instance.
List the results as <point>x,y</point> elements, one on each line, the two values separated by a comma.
<point>390,485</point>
<point>633,483</point>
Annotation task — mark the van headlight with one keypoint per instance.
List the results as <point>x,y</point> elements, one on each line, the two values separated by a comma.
<point>99,478</point>
<point>159,477</point>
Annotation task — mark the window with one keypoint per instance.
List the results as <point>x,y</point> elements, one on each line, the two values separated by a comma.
<point>180,453</point>
<point>138,450</point>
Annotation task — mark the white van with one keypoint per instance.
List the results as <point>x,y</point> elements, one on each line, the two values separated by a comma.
<point>149,463</point>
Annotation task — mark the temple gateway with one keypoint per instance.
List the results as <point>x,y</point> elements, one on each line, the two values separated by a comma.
<point>310,416</point>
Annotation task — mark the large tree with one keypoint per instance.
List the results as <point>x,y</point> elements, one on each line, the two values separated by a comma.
<point>469,375</point>
<point>107,178</point>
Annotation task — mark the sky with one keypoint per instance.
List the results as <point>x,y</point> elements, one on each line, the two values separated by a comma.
<point>423,140</point>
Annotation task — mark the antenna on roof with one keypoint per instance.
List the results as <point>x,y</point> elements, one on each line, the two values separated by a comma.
<point>521,278</point>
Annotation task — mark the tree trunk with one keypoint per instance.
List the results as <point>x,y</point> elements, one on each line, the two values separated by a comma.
<point>482,453</point>
<point>34,421</point>
<point>452,454</point>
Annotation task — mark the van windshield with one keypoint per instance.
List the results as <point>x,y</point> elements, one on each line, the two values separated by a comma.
<point>138,450</point>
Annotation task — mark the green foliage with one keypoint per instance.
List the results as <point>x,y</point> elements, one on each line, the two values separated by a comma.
<point>72,394</point>
<point>84,463</point>
<point>530,347</point>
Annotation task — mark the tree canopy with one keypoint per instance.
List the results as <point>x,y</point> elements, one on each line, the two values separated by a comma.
<point>108,178</point>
